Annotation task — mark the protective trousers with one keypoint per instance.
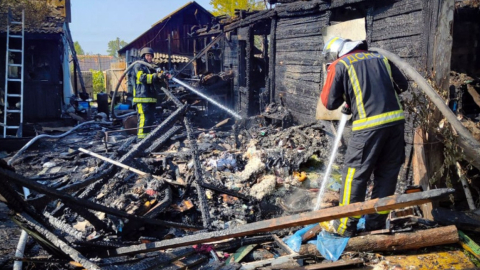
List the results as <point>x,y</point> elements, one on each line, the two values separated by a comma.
<point>381,152</point>
<point>146,118</point>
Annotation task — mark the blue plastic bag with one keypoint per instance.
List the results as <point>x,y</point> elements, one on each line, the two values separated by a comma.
<point>295,241</point>
<point>330,246</point>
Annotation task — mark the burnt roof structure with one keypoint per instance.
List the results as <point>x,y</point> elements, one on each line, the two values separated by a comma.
<point>176,26</point>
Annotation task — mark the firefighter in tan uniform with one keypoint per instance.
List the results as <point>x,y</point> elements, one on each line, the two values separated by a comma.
<point>364,80</point>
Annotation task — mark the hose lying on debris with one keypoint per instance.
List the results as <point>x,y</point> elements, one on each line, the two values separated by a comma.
<point>467,142</point>
<point>112,105</point>
<point>51,136</point>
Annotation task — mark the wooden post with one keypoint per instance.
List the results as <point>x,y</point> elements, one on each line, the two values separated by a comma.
<point>271,62</point>
<point>399,241</point>
<point>169,51</point>
<point>420,174</point>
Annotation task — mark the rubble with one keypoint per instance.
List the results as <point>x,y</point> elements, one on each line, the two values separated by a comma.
<point>203,191</point>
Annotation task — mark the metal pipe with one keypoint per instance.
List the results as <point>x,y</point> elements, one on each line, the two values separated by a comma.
<point>234,114</point>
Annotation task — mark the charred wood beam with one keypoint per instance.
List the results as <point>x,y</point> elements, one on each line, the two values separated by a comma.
<point>104,171</point>
<point>343,263</point>
<point>13,177</point>
<point>271,64</point>
<point>302,8</point>
<point>202,52</point>
<point>262,15</point>
<point>398,241</point>
<point>236,243</point>
<point>13,200</point>
<point>163,139</point>
<point>202,198</point>
<point>250,95</point>
<point>140,149</point>
<point>187,263</point>
<point>63,227</point>
<point>56,241</point>
<point>198,180</point>
<point>368,207</point>
<point>87,215</point>
<point>162,259</point>
<point>468,220</point>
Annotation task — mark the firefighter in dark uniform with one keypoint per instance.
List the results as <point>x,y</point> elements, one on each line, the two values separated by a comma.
<point>144,93</point>
<point>369,86</point>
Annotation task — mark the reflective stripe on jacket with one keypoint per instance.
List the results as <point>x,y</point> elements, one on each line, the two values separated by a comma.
<point>144,90</point>
<point>364,80</point>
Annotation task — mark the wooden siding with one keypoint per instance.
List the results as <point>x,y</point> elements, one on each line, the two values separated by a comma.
<point>298,62</point>
<point>397,26</point>
<point>43,88</point>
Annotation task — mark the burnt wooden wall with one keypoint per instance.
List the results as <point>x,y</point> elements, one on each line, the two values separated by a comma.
<point>230,62</point>
<point>43,76</point>
<point>406,28</point>
<point>298,63</point>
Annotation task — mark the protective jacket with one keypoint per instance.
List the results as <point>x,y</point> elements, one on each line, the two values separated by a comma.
<point>144,90</point>
<point>365,81</point>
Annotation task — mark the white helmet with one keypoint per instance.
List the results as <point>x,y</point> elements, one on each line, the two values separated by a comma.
<point>338,46</point>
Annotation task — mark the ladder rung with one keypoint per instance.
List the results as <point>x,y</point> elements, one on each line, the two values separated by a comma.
<point>13,22</point>
<point>14,95</point>
<point>15,65</point>
<point>16,36</point>
<point>14,80</point>
<point>12,127</point>
<point>14,111</point>
<point>15,50</point>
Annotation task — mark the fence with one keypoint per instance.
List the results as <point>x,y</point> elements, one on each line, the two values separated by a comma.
<point>111,75</point>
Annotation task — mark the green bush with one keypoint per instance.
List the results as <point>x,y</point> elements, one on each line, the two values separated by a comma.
<point>98,82</point>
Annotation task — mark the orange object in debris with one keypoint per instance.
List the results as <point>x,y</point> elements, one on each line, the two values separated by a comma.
<point>229,199</point>
<point>183,206</point>
<point>300,176</point>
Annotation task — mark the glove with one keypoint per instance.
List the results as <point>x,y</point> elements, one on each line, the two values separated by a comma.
<point>346,110</point>
<point>160,75</point>
<point>328,226</point>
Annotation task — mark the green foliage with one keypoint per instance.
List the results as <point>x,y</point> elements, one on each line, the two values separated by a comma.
<point>114,46</point>
<point>227,7</point>
<point>98,82</point>
<point>78,48</point>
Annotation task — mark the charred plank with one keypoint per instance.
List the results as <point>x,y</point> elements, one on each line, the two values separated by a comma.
<point>372,206</point>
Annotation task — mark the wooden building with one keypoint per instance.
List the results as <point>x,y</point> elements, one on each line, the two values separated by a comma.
<point>170,38</point>
<point>170,35</point>
<point>294,34</point>
<point>46,68</point>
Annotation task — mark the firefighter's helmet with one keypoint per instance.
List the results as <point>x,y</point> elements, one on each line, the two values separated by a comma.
<point>146,50</point>
<point>337,47</point>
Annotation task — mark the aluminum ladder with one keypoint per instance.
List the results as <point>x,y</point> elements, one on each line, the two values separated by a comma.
<point>15,97</point>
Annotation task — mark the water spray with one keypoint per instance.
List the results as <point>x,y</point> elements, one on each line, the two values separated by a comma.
<point>214,102</point>
<point>346,112</point>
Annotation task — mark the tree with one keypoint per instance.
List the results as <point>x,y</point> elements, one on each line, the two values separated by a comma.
<point>98,82</point>
<point>114,46</point>
<point>227,7</point>
<point>78,48</point>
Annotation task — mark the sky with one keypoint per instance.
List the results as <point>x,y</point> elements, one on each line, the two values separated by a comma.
<point>96,22</point>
